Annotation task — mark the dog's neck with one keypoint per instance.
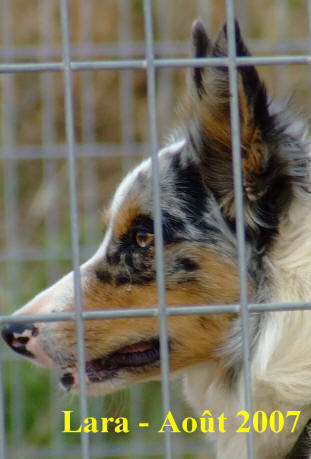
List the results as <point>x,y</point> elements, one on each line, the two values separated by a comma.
<point>290,256</point>
<point>280,374</point>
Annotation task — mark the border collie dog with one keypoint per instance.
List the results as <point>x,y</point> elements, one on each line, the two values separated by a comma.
<point>200,249</point>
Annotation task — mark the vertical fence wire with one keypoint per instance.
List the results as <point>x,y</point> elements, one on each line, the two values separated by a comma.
<point>126,85</point>
<point>156,192</point>
<point>3,443</point>
<point>88,127</point>
<point>282,19</point>
<point>125,33</point>
<point>239,216</point>
<point>11,206</point>
<point>74,220</point>
<point>52,209</point>
<point>309,34</point>
<point>49,138</point>
<point>165,76</point>
<point>89,168</point>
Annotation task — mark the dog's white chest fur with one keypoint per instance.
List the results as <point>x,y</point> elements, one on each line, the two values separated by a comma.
<point>281,371</point>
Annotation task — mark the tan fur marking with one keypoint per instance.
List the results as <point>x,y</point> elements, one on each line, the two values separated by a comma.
<point>252,145</point>
<point>124,219</point>
<point>246,118</point>
<point>215,282</point>
<point>213,112</point>
<point>105,219</point>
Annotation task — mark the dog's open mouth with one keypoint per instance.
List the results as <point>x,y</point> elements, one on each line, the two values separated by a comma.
<point>129,357</point>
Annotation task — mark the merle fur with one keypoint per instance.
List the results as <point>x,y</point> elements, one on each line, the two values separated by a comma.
<point>284,161</point>
<point>195,179</point>
<point>284,174</point>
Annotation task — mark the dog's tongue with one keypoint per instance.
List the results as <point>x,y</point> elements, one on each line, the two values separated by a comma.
<point>138,347</point>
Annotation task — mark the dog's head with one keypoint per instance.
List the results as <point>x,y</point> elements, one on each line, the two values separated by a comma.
<point>198,216</point>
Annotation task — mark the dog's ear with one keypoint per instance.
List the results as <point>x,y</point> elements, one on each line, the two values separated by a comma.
<point>211,131</point>
<point>202,47</point>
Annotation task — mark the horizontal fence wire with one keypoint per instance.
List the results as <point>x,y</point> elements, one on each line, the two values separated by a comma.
<point>166,47</point>
<point>141,64</point>
<point>150,64</point>
<point>154,312</point>
<point>174,48</point>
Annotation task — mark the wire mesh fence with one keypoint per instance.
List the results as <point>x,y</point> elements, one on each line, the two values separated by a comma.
<point>65,144</point>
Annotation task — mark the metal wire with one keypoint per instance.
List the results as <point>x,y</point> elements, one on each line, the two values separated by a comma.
<point>74,220</point>
<point>153,312</point>
<point>11,217</point>
<point>156,198</point>
<point>169,48</point>
<point>239,216</point>
<point>150,64</point>
<point>3,449</point>
<point>52,217</point>
<point>76,66</point>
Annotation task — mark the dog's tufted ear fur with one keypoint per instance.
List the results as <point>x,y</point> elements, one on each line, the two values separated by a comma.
<point>210,132</point>
<point>202,47</point>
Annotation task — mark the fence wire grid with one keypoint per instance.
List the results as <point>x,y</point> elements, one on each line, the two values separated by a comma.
<point>55,67</point>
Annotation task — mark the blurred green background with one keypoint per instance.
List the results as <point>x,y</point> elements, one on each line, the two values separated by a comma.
<point>111,127</point>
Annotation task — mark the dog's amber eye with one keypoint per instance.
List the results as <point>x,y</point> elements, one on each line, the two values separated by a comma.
<point>144,239</point>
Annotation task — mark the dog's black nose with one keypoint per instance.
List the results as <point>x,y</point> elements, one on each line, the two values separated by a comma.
<point>17,337</point>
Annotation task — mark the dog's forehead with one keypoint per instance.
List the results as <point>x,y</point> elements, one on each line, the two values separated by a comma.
<point>133,196</point>
<point>136,188</point>
<point>132,186</point>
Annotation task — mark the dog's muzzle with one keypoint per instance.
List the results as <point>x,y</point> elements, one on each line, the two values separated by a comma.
<point>25,340</point>
<point>17,336</point>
